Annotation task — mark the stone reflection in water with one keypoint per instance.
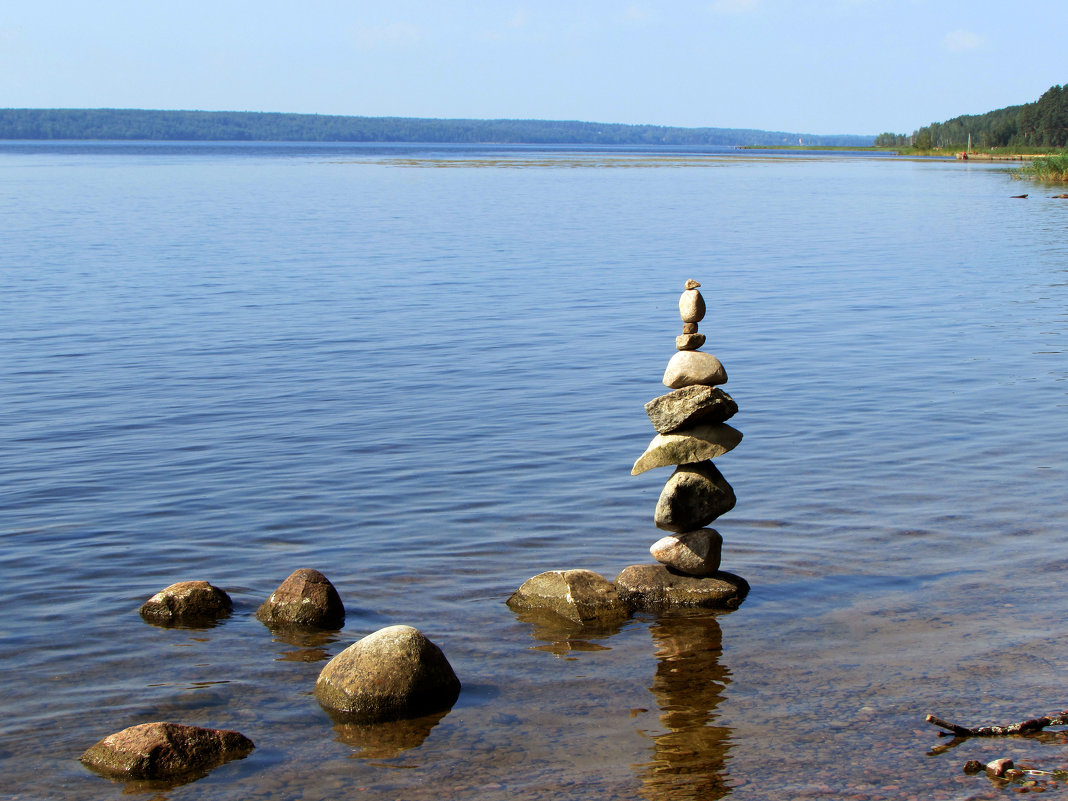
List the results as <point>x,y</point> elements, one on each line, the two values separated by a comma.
<point>561,636</point>
<point>388,739</point>
<point>689,760</point>
<point>311,645</point>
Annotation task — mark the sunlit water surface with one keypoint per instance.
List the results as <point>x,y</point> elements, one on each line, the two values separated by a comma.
<point>422,372</point>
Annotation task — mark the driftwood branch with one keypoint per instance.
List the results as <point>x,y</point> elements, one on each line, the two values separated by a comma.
<point>1024,727</point>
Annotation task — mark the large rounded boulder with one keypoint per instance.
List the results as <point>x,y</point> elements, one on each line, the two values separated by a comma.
<point>306,599</point>
<point>393,674</point>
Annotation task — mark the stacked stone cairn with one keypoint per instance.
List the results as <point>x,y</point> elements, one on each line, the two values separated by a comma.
<point>691,432</point>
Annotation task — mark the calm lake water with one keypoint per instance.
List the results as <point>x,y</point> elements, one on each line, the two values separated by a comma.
<point>422,371</point>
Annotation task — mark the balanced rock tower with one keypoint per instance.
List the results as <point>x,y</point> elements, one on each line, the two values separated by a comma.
<point>691,431</point>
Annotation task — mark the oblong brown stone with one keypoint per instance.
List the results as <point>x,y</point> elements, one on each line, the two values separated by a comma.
<point>306,598</point>
<point>164,751</point>
<point>652,587</point>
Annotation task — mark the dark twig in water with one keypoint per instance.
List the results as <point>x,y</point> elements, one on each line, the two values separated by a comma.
<point>1024,727</point>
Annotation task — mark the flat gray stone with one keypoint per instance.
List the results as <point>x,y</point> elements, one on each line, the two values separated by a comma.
<point>395,673</point>
<point>689,341</point>
<point>164,751</point>
<point>689,367</point>
<point>581,596</point>
<point>695,553</point>
<point>688,445</point>
<point>694,496</point>
<point>305,599</point>
<point>653,587</point>
<point>689,406</point>
<point>186,603</point>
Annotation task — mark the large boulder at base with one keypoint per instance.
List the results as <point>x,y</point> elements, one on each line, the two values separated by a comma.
<point>689,367</point>
<point>653,587</point>
<point>164,751</point>
<point>694,496</point>
<point>581,596</point>
<point>687,446</point>
<point>306,598</point>
<point>187,602</point>
<point>689,406</point>
<point>695,553</point>
<point>395,673</point>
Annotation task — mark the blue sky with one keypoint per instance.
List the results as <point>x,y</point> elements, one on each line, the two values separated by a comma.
<point>807,66</point>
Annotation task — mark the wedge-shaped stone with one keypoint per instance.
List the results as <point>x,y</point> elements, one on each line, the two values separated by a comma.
<point>164,751</point>
<point>689,406</point>
<point>688,367</point>
<point>688,445</point>
<point>305,599</point>
<point>695,553</point>
<point>581,596</point>
<point>694,496</point>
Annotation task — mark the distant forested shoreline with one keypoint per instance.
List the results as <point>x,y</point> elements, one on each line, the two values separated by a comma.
<point>144,124</point>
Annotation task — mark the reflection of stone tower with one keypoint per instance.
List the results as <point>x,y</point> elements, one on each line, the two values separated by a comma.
<point>689,760</point>
<point>691,431</point>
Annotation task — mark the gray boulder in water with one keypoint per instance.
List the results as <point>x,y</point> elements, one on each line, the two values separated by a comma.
<point>393,674</point>
<point>581,596</point>
<point>186,603</point>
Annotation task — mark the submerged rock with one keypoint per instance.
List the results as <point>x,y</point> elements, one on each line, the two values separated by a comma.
<point>694,496</point>
<point>653,587</point>
<point>306,598</point>
<point>581,596</point>
<point>164,751</point>
<point>695,553</point>
<point>688,445</point>
<point>688,367</point>
<point>689,406</point>
<point>187,602</point>
<point>395,673</point>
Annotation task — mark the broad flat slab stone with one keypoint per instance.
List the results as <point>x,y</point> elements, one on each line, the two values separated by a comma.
<point>688,445</point>
<point>164,751</point>
<point>395,673</point>
<point>578,595</point>
<point>653,587</point>
<point>695,553</point>
<point>694,496</point>
<point>689,367</point>
<point>689,406</point>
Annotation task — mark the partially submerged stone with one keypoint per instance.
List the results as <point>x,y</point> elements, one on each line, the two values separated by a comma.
<point>688,367</point>
<point>306,598</point>
<point>653,587</point>
<point>689,406</point>
<point>581,596</point>
<point>187,602</point>
<point>164,751</point>
<point>694,496</point>
<point>688,445</point>
<point>395,673</point>
<point>695,553</point>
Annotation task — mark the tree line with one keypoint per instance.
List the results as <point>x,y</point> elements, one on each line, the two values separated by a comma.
<point>133,124</point>
<point>1041,124</point>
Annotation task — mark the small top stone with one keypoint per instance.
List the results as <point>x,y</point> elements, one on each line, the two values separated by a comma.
<point>691,284</point>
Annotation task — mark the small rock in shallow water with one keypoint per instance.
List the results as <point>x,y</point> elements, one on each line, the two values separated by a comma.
<point>695,553</point>
<point>395,673</point>
<point>999,767</point>
<point>688,367</point>
<point>694,496</point>
<point>688,445</point>
<point>306,598</point>
<point>581,596</point>
<point>164,751</point>
<point>188,602</point>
